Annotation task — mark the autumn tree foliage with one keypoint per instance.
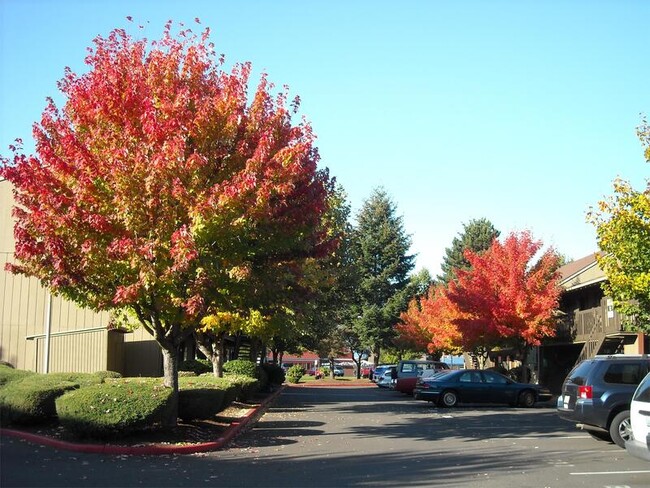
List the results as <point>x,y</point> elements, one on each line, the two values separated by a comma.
<point>429,323</point>
<point>160,188</point>
<point>623,230</point>
<point>508,296</point>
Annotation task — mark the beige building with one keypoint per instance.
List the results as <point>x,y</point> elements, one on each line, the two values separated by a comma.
<point>45,333</point>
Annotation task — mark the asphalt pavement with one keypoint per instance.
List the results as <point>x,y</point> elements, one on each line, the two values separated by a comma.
<point>330,436</point>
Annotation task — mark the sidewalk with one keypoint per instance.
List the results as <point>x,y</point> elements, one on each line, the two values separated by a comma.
<point>234,429</point>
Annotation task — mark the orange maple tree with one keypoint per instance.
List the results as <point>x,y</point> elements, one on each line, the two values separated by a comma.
<point>429,323</point>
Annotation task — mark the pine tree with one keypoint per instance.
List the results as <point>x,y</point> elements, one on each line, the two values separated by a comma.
<point>477,236</point>
<point>385,265</point>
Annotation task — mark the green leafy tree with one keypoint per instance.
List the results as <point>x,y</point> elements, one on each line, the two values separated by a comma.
<point>384,267</point>
<point>329,304</point>
<point>477,236</point>
<point>623,229</point>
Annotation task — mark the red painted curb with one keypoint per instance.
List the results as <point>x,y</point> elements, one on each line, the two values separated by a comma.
<point>318,384</point>
<point>233,430</point>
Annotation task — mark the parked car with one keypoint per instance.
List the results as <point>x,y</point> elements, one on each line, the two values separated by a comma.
<point>366,372</point>
<point>386,378</point>
<point>639,444</point>
<point>597,393</point>
<point>339,371</point>
<point>448,388</point>
<point>379,371</point>
<point>409,370</point>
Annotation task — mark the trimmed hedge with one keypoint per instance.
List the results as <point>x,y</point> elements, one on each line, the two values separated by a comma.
<point>241,367</point>
<point>196,366</point>
<point>274,372</point>
<point>31,400</point>
<point>97,405</point>
<point>201,397</point>
<point>113,409</point>
<point>9,374</point>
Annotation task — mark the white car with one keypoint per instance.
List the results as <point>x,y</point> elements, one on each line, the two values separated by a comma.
<point>639,445</point>
<point>386,378</point>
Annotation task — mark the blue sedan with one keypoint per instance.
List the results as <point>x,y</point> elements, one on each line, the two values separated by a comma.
<point>449,388</point>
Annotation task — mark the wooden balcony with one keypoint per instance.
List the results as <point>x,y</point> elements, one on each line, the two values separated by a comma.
<point>594,322</point>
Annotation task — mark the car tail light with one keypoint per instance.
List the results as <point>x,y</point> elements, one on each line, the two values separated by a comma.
<point>585,392</point>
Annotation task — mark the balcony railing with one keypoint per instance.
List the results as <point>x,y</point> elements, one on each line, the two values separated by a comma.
<point>594,322</point>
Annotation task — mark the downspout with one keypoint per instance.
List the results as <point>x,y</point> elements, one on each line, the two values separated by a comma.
<point>48,331</point>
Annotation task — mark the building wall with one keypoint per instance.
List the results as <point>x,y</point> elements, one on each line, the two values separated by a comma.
<point>78,337</point>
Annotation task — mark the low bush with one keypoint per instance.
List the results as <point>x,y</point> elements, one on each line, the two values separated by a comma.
<point>197,366</point>
<point>201,397</point>
<point>104,375</point>
<point>31,400</point>
<point>274,372</point>
<point>294,373</point>
<point>241,367</point>
<point>8,374</point>
<point>113,409</point>
<point>80,379</point>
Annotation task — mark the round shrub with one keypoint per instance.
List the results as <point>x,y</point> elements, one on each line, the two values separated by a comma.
<point>197,366</point>
<point>275,373</point>
<point>241,367</point>
<point>294,373</point>
<point>113,409</point>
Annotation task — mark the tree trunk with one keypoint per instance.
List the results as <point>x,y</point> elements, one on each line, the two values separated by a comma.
<point>524,369</point>
<point>358,366</point>
<point>212,347</point>
<point>170,372</point>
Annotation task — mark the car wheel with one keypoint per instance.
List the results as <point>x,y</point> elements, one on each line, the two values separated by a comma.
<point>620,429</point>
<point>449,399</point>
<point>527,399</point>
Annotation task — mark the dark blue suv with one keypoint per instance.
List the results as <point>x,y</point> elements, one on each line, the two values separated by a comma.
<point>596,395</point>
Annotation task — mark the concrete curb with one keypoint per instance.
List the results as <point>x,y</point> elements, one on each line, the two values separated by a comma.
<point>233,430</point>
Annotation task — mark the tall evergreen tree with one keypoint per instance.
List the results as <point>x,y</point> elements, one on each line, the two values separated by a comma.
<point>384,266</point>
<point>477,236</point>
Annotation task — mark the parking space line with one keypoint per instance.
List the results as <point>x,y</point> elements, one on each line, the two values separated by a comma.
<point>594,473</point>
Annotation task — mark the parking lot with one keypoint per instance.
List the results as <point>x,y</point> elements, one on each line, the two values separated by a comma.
<point>360,437</point>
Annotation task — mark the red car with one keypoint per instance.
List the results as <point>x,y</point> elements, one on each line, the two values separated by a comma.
<point>408,372</point>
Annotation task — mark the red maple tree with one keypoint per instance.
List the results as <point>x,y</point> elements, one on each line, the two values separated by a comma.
<point>508,296</point>
<point>160,188</point>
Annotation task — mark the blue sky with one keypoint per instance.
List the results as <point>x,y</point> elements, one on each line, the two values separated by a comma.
<point>521,112</point>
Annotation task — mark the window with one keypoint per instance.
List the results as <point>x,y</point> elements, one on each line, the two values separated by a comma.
<point>408,367</point>
<point>494,379</point>
<point>470,377</point>
<point>627,374</point>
